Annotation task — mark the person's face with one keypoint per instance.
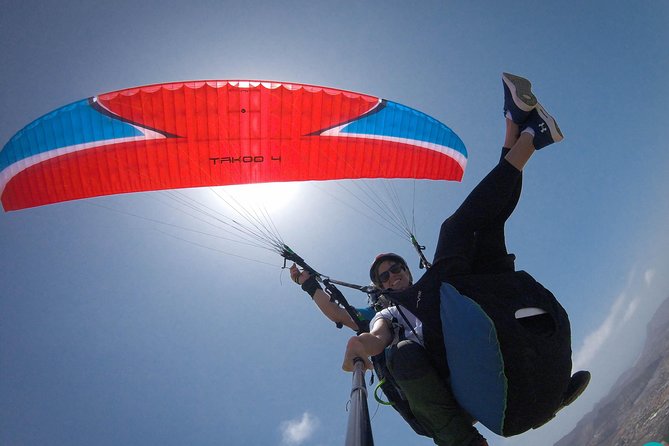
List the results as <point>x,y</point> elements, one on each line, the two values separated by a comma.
<point>396,275</point>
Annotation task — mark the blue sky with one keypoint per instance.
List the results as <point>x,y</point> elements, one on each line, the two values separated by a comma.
<point>117,330</point>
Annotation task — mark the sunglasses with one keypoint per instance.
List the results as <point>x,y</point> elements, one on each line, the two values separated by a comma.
<point>395,269</point>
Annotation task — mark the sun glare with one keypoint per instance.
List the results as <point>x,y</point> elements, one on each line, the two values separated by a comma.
<point>272,197</point>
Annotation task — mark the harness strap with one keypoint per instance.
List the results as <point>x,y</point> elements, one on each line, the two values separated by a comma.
<point>406,321</point>
<point>378,398</point>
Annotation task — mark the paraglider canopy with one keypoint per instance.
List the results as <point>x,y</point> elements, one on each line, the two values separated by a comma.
<point>211,133</point>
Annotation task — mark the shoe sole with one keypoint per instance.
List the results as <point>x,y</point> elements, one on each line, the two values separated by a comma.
<point>552,124</point>
<point>521,91</point>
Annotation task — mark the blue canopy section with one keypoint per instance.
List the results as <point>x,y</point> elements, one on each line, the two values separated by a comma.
<point>399,121</point>
<point>73,124</point>
<point>474,359</point>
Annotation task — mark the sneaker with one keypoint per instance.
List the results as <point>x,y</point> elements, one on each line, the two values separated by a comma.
<point>543,127</point>
<point>519,100</point>
<point>577,384</point>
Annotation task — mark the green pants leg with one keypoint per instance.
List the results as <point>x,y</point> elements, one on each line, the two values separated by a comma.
<point>429,397</point>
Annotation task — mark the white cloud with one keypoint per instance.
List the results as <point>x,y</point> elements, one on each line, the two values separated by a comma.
<point>298,430</point>
<point>648,276</point>
<point>631,309</point>
<point>620,313</point>
<point>595,340</point>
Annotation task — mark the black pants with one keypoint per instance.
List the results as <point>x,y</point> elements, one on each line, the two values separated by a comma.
<point>472,241</point>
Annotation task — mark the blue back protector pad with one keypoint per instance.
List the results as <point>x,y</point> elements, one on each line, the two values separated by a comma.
<point>474,358</point>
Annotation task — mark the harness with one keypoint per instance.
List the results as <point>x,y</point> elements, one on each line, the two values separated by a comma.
<point>387,384</point>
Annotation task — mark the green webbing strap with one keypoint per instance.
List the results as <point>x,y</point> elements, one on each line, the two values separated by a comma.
<point>378,398</point>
